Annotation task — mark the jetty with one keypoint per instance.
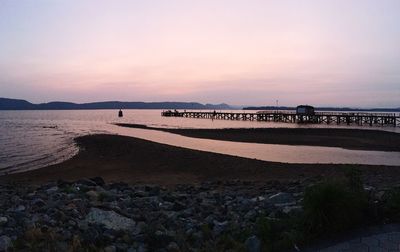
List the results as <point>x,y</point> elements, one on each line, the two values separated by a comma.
<point>338,118</point>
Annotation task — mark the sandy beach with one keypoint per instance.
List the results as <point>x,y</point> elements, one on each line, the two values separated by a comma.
<point>132,160</point>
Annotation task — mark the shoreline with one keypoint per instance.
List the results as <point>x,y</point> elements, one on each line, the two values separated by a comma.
<point>136,161</point>
<point>121,193</point>
<point>352,139</point>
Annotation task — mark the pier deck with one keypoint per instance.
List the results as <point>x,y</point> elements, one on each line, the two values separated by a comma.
<point>368,119</point>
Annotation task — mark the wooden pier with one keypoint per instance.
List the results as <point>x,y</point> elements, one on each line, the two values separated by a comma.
<point>359,119</point>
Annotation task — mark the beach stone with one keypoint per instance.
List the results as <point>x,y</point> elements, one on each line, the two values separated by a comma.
<point>281,198</point>
<point>380,195</point>
<point>219,227</point>
<point>38,202</point>
<point>173,247</point>
<point>141,248</point>
<point>162,239</point>
<point>109,219</point>
<point>52,190</point>
<point>178,206</point>
<point>292,209</point>
<point>86,182</point>
<point>98,180</point>
<point>5,243</point>
<point>110,249</point>
<point>20,208</point>
<point>253,244</point>
<point>3,220</point>
<point>93,195</point>
<point>91,235</point>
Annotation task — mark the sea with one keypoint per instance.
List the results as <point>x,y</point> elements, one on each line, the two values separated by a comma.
<point>34,139</point>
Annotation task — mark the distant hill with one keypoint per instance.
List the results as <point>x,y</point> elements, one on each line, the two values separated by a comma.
<point>15,104</point>
<point>326,109</point>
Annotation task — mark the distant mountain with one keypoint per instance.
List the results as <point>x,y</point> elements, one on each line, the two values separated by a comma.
<point>15,104</point>
<point>8,104</point>
<point>326,109</point>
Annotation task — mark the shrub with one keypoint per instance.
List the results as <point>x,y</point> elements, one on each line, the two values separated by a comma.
<point>354,180</point>
<point>391,207</point>
<point>331,207</point>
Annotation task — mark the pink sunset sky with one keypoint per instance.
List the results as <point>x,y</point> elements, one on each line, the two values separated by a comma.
<point>324,53</point>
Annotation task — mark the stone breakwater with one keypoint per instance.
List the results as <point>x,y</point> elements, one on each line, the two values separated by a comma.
<point>91,215</point>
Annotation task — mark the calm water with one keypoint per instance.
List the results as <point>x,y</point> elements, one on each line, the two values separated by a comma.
<point>33,139</point>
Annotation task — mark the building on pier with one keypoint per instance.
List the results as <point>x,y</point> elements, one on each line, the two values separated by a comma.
<point>305,110</point>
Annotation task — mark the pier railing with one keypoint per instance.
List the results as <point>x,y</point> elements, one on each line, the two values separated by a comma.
<point>349,118</point>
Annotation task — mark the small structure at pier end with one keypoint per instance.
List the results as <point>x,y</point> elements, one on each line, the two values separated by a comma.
<point>305,110</point>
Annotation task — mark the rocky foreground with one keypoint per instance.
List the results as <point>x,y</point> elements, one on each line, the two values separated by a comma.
<point>89,214</point>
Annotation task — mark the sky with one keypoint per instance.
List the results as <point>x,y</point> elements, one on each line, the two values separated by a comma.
<point>241,52</point>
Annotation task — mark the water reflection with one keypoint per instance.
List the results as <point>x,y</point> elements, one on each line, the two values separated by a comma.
<point>268,152</point>
<point>32,139</point>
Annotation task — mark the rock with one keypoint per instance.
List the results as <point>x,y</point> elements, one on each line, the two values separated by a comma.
<point>140,227</point>
<point>173,247</point>
<point>52,190</point>
<point>281,198</point>
<point>91,235</point>
<point>3,220</point>
<point>219,227</point>
<point>20,208</point>
<point>109,234</point>
<point>38,202</point>
<point>86,182</point>
<point>141,248</point>
<point>62,183</point>
<point>161,239</point>
<point>258,198</point>
<point>93,195</point>
<point>178,206</point>
<point>5,243</point>
<point>380,195</point>
<point>109,219</point>
<point>110,249</point>
<point>98,180</point>
<point>250,215</point>
<point>292,209</point>
<point>253,244</point>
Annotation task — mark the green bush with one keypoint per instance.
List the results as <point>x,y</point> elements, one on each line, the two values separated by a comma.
<point>278,235</point>
<point>331,207</point>
<point>391,207</point>
<point>354,180</point>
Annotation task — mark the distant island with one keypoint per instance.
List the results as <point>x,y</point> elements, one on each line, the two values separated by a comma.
<point>16,104</point>
<point>326,109</point>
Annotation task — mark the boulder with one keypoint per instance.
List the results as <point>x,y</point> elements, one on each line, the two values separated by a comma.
<point>110,249</point>
<point>253,244</point>
<point>5,243</point>
<point>109,219</point>
<point>281,198</point>
<point>98,180</point>
<point>93,195</point>
<point>3,220</point>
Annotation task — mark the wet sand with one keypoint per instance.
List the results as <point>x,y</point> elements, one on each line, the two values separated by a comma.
<point>354,139</point>
<point>132,160</point>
